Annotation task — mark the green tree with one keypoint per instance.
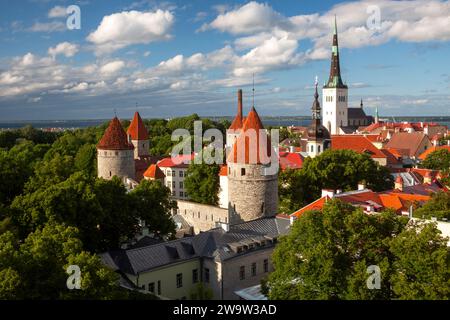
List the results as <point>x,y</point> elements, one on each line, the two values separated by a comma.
<point>203,182</point>
<point>295,190</point>
<point>153,205</point>
<point>437,160</point>
<point>438,206</point>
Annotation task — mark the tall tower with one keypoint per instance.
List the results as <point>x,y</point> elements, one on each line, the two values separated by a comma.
<point>236,126</point>
<point>335,93</point>
<point>115,154</point>
<point>138,136</point>
<point>318,136</point>
<point>252,189</point>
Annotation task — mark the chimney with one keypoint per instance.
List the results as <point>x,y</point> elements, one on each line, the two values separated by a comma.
<point>399,183</point>
<point>361,185</point>
<point>240,103</point>
<point>327,193</point>
<point>338,191</point>
<point>291,149</point>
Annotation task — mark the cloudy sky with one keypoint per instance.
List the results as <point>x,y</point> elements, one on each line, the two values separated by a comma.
<point>176,57</point>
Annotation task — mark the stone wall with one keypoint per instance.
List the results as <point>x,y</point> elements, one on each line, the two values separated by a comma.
<point>115,163</point>
<point>200,216</point>
<point>251,194</point>
<point>141,148</point>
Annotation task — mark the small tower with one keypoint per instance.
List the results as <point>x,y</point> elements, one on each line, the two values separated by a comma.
<point>335,93</point>
<point>252,189</point>
<point>318,135</point>
<point>377,118</point>
<point>138,136</point>
<point>236,126</point>
<point>115,154</point>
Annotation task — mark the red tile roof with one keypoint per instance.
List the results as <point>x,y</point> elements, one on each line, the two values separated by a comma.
<point>316,205</point>
<point>178,161</point>
<point>432,149</point>
<point>114,138</point>
<point>407,141</point>
<point>223,171</point>
<point>289,160</point>
<point>251,141</point>
<point>154,172</point>
<point>357,143</point>
<point>137,129</point>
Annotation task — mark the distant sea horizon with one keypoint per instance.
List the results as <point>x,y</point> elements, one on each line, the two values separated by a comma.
<point>267,120</point>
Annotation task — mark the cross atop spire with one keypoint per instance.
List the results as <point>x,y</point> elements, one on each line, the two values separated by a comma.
<point>335,80</point>
<point>253,91</point>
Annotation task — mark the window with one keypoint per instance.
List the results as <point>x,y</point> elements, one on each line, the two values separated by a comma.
<point>195,276</point>
<point>198,214</point>
<point>173,193</point>
<point>185,195</point>
<point>266,265</point>
<point>242,171</point>
<point>151,287</point>
<point>181,174</point>
<point>117,153</point>
<point>254,269</point>
<point>312,148</point>
<point>110,173</point>
<point>318,149</point>
<point>242,273</point>
<point>206,275</point>
<point>181,194</point>
<point>179,280</point>
<point>173,184</point>
<point>181,185</point>
<point>159,286</point>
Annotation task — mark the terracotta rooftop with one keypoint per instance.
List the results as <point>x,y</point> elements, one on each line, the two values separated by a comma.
<point>179,161</point>
<point>250,141</point>
<point>137,129</point>
<point>223,170</point>
<point>432,149</point>
<point>114,138</point>
<point>154,172</point>
<point>407,141</point>
<point>357,143</point>
<point>289,160</point>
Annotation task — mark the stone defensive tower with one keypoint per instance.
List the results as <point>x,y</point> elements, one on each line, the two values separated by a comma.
<point>115,155</point>
<point>252,187</point>
<point>138,136</point>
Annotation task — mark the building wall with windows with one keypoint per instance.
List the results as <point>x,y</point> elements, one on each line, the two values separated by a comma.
<point>233,269</point>
<point>167,279</point>
<point>174,180</point>
<point>202,217</point>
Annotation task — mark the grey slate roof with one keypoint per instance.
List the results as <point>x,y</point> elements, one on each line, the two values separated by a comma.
<point>214,244</point>
<point>356,113</point>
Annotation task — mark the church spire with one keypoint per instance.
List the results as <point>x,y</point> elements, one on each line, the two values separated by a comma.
<point>316,104</point>
<point>335,80</point>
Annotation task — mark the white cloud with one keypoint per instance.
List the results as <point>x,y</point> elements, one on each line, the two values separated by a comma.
<point>53,26</point>
<point>65,48</point>
<point>126,28</point>
<point>112,67</point>
<point>57,12</point>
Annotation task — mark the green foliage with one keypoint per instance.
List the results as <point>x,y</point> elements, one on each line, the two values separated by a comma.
<point>36,269</point>
<point>295,190</point>
<point>201,292</point>
<point>437,160</point>
<point>438,206</point>
<point>203,182</point>
<point>326,256</point>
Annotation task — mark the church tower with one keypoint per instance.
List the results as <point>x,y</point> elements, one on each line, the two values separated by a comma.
<point>318,136</point>
<point>138,136</point>
<point>115,154</point>
<point>335,93</point>
<point>252,187</point>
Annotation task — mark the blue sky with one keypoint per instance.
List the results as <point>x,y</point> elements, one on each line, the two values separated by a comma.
<point>176,57</point>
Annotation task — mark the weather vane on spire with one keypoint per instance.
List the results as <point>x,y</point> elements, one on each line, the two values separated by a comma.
<point>253,91</point>
<point>115,112</point>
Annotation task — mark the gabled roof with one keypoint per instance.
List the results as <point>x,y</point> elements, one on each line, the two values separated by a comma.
<point>290,160</point>
<point>407,141</point>
<point>316,205</point>
<point>114,138</point>
<point>154,172</point>
<point>424,155</point>
<point>357,143</point>
<point>137,129</point>
<point>356,113</point>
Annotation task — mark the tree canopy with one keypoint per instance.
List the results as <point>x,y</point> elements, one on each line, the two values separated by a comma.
<point>326,255</point>
<point>203,182</point>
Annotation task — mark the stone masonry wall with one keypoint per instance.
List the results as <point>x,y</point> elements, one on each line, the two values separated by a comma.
<point>115,163</point>
<point>200,216</point>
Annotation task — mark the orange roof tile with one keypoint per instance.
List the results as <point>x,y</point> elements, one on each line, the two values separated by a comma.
<point>357,143</point>
<point>289,160</point>
<point>223,171</point>
<point>407,141</point>
<point>316,205</point>
<point>424,155</point>
<point>114,138</point>
<point>178,161</point>
<point>250,141</point>
<point>154,172</point>
<point>137,129</point>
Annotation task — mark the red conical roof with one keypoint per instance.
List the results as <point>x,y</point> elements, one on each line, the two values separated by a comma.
<point>137,129</point>
<point>114,138</point>
<point>154,172</point>
<point>251,140</point>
